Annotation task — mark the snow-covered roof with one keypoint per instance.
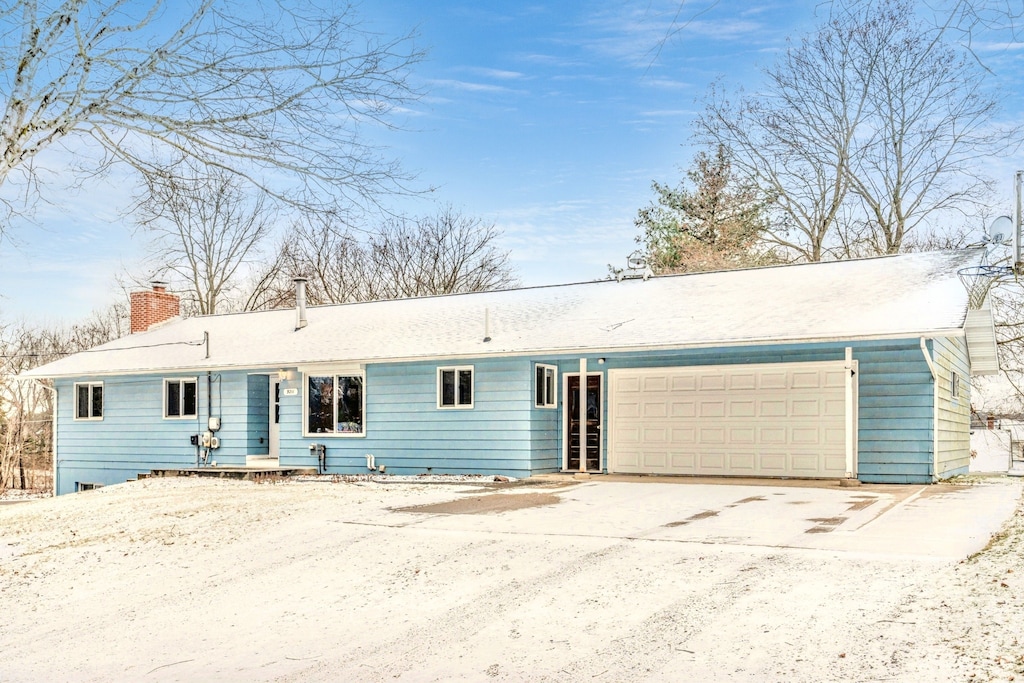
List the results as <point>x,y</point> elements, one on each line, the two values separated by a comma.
<point>888,297</point>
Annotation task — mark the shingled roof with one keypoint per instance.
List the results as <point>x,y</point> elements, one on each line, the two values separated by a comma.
<point>888,297</point>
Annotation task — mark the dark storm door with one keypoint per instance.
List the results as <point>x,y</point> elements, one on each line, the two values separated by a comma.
<point>592,413</point>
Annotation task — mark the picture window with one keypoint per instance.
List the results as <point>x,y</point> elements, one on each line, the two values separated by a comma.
<point>335,404</point>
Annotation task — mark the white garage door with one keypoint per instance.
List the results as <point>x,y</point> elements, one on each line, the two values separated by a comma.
<point>780,420</point>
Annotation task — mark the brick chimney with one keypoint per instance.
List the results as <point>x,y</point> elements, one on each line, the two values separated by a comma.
<point>151,307</point>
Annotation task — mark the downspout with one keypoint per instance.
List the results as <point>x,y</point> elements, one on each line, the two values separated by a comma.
<point>209,411</point>
<point>850,424</point>
<point>935,407</point>
<point>53,436</point>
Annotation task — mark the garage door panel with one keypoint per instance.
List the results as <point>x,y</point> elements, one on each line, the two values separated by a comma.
<point>711,382</point>
<point>711,462</point>
<point>805,407</point>
<point>712,408</point>
<point>684,436</point>
<point>655,383</point>
<point>742,408</point>
<point>742,435</point>
<point>684,409</point>
<point>772,408</point>
<point>743,463</point>
<point>752,420</point>
<point>806,380</point>
<point>683,461</point>
<point>655,409</point>
<point>742,381</point>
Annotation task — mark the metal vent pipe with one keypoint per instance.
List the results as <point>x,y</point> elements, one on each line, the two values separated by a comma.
<point>300,302</point>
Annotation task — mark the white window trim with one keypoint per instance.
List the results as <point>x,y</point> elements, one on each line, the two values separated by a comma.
<point>335,374</point>
<point>103,408</point>
<point>472,390</point>
<point>82,486</point>
<point>181,395</point>
<point>551,401</point>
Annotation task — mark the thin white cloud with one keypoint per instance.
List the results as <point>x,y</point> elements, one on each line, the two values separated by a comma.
<point>468,86</point>
<point>497,74</point>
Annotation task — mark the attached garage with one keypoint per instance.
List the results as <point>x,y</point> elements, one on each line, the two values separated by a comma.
<point>778,420</point>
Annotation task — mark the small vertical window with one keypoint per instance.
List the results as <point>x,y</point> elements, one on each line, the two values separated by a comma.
<point>180,398</point>
<point>954,386</point>
<point>455,387</point>
<point>545,386</point>
<point>89,401</point>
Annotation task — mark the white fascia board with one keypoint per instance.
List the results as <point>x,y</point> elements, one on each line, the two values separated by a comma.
<point>483,353</point>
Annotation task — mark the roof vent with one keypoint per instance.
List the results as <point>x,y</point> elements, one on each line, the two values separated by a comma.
<point>300,302</point>
<point>636,268</point>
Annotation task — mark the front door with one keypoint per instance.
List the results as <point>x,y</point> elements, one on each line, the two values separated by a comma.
<point>275,417</point>
<point>591,412</point>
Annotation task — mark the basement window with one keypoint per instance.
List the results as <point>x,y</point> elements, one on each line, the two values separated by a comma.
<point>86,486</point>
<point>455,387</point>
<point>335,404</point>
<point>180,398</point>
<point>545,386</point>
<point>89,400</point>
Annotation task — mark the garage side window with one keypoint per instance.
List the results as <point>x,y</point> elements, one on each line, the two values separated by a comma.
<point>545,386</point>
<point>335,404</point>
<point>180,398</point>
<point>455,387</point>
<point>89,400</point>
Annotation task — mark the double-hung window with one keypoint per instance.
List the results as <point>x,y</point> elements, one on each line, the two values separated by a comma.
<point>89,400</point>
<point>545,386</point>
<point>335,404</point>
<point>180,398</point>
<point>455,387</point>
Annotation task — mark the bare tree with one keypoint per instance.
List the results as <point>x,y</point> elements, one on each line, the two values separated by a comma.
<point>930,124</point>
<point>26,408</point>
<point>793,137</point>
<point>716,225</point>
<point>866,130</point>
<point>272,92</point>
<point>446,253</point>
<point>206,231</point>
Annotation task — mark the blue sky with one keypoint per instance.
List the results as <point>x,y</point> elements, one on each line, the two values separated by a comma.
<point>549,119</point>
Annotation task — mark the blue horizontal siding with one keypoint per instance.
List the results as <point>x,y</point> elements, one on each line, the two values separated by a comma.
<point>406,431</point>
<point>504,433</point>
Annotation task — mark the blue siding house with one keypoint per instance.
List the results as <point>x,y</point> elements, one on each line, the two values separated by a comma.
<point>853,369</point>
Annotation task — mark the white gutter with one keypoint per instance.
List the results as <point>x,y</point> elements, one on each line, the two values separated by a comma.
<point>569,352</point>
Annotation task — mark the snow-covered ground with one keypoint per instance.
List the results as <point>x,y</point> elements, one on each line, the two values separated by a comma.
<point>990,450</point>
<point>211,580</point>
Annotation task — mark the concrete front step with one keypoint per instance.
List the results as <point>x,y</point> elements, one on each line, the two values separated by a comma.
<point>261,461</point>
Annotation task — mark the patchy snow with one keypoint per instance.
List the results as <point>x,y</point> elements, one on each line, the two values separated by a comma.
<point>905,295</point>
<point>192,579</point>
<point>990,450</point>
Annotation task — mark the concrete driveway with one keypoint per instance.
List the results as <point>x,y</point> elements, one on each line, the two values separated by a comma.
<point>604,580</point>
<point>941,522</point>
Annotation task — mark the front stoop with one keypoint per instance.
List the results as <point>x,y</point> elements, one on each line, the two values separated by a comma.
<point>261,461</point>
<point>246,473</point>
